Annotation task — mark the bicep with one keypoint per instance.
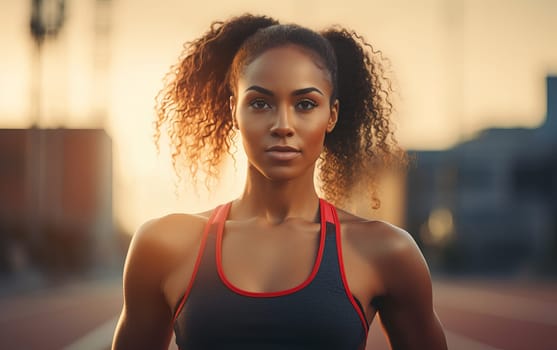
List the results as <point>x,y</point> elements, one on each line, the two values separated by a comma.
<point>145,321</point>
<point>141,332</point>
<point>406,311</point>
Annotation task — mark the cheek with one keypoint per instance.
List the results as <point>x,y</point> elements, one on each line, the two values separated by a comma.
<point>252,130</point>
<point>315,137</point>
<point>251,137</point>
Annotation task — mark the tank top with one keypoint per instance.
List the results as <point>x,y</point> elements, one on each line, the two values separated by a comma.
<point>319,313</point>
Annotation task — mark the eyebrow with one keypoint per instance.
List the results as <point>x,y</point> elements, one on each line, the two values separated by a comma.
<point>294,93</point>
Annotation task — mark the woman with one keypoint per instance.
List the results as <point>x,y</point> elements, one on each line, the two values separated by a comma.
<point>279,267</point>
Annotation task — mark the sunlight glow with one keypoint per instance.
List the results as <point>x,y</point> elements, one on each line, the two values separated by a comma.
<point>452,75</point>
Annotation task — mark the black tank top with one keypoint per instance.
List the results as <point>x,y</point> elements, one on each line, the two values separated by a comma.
<point>320,313</point>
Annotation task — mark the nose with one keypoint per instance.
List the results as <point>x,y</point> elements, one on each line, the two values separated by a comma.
<point>282,126</point>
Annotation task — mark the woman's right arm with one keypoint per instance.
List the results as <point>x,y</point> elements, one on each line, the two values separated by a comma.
<point>146,319</point>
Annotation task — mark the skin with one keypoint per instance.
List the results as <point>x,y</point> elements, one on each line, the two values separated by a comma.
<point>282,98</point>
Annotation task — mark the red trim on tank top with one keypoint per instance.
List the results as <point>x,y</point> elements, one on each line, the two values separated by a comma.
<point>197,262</point>
<point>343,275</point>
<point>220,231</point>
<point>327,211</point>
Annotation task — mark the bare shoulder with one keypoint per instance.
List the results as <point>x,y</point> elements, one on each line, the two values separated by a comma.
<point>159,242</point>
<point>391,250</point>
<point>157,248</point>
<point>380,239</point>
<point>169,230</point>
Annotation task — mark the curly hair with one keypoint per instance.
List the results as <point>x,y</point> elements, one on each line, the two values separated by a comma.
<point>194,103</point>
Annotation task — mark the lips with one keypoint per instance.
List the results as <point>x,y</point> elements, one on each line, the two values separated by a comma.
<point>282,149</point>
<point>283,153</point>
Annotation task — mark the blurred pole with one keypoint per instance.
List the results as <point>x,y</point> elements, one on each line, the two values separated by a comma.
<point>103,245</point>
<point>101,57</point>
<point>47,18</point>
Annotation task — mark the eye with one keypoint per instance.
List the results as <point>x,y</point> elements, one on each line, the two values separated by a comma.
<point>259,104</point>
<point>306,105</point>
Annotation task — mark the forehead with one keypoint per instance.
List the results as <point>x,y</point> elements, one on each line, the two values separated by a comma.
<point>286,67</point>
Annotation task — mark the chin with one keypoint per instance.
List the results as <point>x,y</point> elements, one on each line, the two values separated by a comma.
<point>285,173</point>
<point>281,175</point>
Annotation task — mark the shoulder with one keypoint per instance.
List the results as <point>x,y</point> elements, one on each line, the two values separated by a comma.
<point>391,250</point>
<point>381,239</point>
<point>158,245</point>
<point>168,230</point>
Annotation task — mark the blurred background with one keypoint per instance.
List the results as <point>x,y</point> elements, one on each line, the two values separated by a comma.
<point>476,107</point>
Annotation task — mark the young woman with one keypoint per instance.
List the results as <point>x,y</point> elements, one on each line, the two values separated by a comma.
<point>279,267</point>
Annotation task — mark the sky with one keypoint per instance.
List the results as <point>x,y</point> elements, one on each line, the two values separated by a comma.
<point>457,66</point>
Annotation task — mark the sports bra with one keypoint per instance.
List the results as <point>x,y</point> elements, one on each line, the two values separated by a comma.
<point>319,313</point>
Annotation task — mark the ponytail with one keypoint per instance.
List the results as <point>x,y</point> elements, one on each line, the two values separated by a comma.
<point>194,101</point>
<point>363,139</point>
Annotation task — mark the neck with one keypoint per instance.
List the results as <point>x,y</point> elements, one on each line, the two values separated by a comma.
<point>277,201</point>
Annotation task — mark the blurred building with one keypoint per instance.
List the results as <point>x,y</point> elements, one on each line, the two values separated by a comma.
<point>55,199</point>
<point>489,205</point>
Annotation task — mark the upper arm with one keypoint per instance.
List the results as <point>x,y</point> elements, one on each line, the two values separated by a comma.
<point>406,310</point>
<point>146,320</point>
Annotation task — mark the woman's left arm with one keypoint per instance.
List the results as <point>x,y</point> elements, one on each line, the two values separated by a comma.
<point>406,310</point>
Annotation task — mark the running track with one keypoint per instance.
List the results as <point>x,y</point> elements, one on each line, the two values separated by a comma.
<point>477,315</point>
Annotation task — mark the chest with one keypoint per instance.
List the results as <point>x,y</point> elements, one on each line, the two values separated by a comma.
<point>283,259</point>
<point>315,314</point>
<point>265,260</point>
<point>293,321</point>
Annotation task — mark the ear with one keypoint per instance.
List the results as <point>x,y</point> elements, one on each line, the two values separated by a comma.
<point>232,103</point>
<point>333,117</point>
